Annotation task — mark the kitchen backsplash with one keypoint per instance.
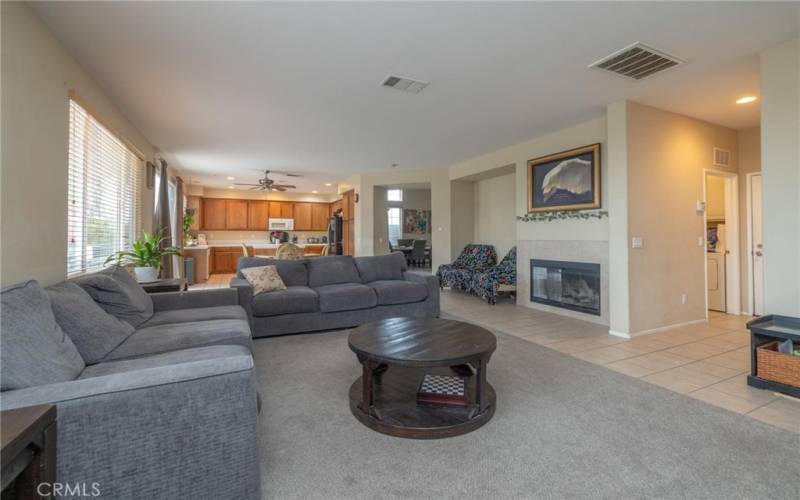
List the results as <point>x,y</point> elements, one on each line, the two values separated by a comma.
<point>211,236</point>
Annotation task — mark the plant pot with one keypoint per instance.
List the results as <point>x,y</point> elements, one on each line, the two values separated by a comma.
<point>146,274</point>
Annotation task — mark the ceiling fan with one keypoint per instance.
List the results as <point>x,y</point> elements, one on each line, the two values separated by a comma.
<point>267,184</point>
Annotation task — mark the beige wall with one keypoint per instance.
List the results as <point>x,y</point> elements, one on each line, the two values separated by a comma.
<point>715,197</point>
<point>749,162</point>
<point>495,217</point>
<point>462,215</point>
<point>667,153</point>
<point>780,166</point>
<point>37,74</point>
<point>617,203</point>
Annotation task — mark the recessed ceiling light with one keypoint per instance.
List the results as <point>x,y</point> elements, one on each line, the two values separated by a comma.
<point>328,184</point>
<point>746,99</point>
<point>230,187</point>
<point>315,191</point>
<point>231,178</point>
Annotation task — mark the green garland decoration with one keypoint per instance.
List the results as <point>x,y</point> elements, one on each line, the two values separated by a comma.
<point>562,215</point>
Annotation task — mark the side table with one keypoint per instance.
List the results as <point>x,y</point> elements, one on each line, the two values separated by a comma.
<point>166,285</point>
<point>28,451</point>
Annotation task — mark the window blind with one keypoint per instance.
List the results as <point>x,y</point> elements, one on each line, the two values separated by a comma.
<point>103,212</point>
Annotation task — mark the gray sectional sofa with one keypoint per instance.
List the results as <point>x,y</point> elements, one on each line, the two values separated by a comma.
<point>156,394</point>
<point>336,292</point>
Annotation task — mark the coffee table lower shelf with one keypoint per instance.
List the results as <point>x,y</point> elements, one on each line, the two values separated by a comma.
<point>395,410</point>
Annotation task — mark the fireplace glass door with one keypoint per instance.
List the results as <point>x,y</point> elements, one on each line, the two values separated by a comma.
<point>570,285</point>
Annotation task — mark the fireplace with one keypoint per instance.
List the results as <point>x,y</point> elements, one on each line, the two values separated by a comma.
<point>570,285</point>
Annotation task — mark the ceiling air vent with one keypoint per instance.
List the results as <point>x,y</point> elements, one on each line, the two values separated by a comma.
<point>405,84</point>
<point>722,157</point>
<point>637,61</point>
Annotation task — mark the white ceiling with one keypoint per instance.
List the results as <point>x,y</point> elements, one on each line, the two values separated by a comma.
<point>228,88</point>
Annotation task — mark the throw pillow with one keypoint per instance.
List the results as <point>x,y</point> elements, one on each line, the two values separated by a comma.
<point>118,294</point>
<point>93,331</point>
<point>263,279</point>
<point>33,348</point>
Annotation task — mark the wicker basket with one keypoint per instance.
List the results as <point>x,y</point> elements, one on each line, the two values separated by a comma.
<point>777,366</point>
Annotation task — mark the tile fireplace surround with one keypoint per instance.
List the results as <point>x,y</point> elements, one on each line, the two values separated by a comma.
<point>588,251</point>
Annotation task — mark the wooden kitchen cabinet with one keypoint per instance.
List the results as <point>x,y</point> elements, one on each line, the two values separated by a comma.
<point>225,259</point>
<point>281,210</point>
<point>213,213</point>
<point>336,205</point>
<point>235,214</point>
<point>302,216</point>
<point>319,216</point>
<point>257,214</point>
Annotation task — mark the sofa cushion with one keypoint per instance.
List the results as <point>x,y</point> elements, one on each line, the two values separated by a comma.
<point>196,314</point>
<point>332,269</point>
<point>263,279</point>
<point>399,291</point>
<point>115,290</point>
<point>381,267</point>
<point>292,272</point>
<point>93,331</point>
<point>345,297</point>
<point>34,350</point>
<point>295,299</point>
<point>172,337</point>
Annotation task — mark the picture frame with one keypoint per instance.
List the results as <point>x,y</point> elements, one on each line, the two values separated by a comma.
<point>569,180</point>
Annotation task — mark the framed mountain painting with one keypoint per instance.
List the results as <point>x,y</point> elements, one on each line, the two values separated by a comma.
<point>569,180</point>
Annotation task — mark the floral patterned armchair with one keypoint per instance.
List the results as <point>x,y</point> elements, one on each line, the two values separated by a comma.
<point>474,258</point>
<point>485,284</point>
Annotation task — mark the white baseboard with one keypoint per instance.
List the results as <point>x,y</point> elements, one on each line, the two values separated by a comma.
<point>654,330</point>
<point>619,334</point>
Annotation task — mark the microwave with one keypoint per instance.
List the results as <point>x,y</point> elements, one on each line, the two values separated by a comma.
<point>280,225</point>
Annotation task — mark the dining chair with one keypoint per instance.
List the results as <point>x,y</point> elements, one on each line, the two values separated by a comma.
<point>245,253</point>
<point>404,242</point>
<point>418,252</point>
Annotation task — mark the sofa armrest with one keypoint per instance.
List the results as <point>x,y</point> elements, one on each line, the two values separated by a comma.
<point>169,301</point>
<point>432,283</point>
<point>127,431</point>
<point>245,291</point>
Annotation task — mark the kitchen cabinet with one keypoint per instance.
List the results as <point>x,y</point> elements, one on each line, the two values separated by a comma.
<point>225,259</point>
<point>236,214</point>
<point>336,205</point>
<point>281,210</point>
<point>213,213</point>
<point>302,217</point>
<point>257,214</point>
<point>319,216</point>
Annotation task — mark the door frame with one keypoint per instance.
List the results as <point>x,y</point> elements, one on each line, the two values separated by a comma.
<point>733,287</point>
<point>750,261</point>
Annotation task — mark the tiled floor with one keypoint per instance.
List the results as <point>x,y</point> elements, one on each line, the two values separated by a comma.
<point>707,361</point>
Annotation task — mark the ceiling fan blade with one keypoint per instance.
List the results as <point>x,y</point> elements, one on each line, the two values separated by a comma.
<point>257,188</point>
<point>288,174</point>
<point>279,188</point>
<point>243,184</point>
<point>285,186</point>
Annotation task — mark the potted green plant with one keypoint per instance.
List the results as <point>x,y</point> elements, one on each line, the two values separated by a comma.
<point>188,220</point>
<point>145,255</point>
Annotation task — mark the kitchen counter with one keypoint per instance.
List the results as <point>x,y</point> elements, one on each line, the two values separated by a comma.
<point>257,244</point>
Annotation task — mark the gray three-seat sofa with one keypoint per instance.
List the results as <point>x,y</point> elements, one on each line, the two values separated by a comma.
<point>156,394</point>
<point>336,291</point>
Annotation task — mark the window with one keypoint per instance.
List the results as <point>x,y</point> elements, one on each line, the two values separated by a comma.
<point>103,209</point>
<point>394,214</point>
<point>394,195</point>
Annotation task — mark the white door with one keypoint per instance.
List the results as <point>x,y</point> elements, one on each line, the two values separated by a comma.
<point>758,247</point>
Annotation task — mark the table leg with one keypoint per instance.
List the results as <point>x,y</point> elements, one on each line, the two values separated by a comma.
<point>481,398</point>
<point>367,397</point>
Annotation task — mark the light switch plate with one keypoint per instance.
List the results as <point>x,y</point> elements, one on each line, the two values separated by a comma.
<point>637,242</point>
<point>700,206</point>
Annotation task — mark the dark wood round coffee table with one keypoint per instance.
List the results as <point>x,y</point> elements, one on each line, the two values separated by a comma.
<point>396,353</point>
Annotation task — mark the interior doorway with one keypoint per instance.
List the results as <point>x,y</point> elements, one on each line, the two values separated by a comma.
<point>755,246</point>
<point>721,223</point>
